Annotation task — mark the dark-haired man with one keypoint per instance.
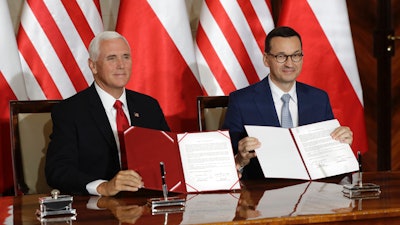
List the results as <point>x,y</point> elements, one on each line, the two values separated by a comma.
<point>261,104</point>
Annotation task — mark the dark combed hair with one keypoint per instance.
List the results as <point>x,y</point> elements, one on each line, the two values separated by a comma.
<point>280,32</point>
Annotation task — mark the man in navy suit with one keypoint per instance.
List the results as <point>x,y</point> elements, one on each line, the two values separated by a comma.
<point>83,155</point>
<point>260,103</point>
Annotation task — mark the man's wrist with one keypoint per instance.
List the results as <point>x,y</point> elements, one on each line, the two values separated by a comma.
<point>240,169</point>
<point>239,163</point>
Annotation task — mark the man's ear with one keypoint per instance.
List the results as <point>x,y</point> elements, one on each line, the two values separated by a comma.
<point>265,60</point>
<point>92,66</point>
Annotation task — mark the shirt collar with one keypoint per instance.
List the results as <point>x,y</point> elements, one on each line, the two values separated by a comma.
<point>277,92</point>
<point>108,100</point>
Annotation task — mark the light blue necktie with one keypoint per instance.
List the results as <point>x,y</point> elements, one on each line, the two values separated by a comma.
<point>286,117</point>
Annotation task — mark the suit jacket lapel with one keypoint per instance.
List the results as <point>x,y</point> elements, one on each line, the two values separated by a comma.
<point>303,104</point>
<point>130,100</point>
<point>100,117</point>
<point>265,103</point>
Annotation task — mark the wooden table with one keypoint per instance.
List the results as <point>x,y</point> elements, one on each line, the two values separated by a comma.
<point>270,201</point>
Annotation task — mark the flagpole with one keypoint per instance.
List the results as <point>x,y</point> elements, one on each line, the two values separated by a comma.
<point>276,9</point>
<point>383,51</point>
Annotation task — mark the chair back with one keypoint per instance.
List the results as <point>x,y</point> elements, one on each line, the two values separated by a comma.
<point>31,125</point>
<point>211,112</point>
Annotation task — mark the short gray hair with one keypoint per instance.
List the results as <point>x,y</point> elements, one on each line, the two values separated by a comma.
<point>94,46</point>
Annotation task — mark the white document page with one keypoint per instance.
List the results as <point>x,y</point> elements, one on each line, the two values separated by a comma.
<point>208,161</point>
<point>324,156</point>
<point>278,155</point>
<point>321,155</point>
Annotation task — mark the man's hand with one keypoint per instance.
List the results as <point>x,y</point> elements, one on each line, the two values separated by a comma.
<point>246,151</point>
<point>343,134</point>
<point>125,180</point>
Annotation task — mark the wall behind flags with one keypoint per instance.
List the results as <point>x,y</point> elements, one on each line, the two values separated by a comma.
<point>363,21</point>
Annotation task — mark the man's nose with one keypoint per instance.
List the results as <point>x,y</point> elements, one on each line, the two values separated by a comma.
<point>120,63</point>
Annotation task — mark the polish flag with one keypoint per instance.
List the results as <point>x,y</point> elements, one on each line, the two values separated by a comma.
<point>6,204</point>
<point>12,88</point>
<point>329,58</point>
<point>164,65</point>
<point>230,44</point>
<point>53,38</point>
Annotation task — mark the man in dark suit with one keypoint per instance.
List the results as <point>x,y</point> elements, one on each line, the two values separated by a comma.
<point>261,104</point>
<point>84,152</point>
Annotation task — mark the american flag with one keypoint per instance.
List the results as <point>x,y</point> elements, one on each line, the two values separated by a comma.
<point>52,39</point>
<point>52,60</point>
<point>230,44</point>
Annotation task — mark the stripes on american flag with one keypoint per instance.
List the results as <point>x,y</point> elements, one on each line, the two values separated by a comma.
<point>52,39</point>
<point>230,44</point>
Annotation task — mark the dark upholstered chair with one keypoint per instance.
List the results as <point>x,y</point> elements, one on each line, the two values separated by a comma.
<point>211,112</point>
<point>31,125</point>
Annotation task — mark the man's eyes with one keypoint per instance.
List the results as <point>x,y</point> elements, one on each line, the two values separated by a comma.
<point>111,58</point>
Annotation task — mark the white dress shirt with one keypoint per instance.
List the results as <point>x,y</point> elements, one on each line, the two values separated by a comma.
<point>277,94</point>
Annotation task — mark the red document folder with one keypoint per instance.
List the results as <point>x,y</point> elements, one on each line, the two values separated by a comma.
<point>146,148</point>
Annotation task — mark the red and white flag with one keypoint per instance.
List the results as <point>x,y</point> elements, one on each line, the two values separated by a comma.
<point>164,64</point>
<point>53,38</point>
<point>329,58</point>
<point>230,44</point>
<point>12,88</point>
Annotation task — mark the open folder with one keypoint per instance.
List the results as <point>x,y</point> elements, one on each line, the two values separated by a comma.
<point>306,152</point>
<point>194,162</point>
